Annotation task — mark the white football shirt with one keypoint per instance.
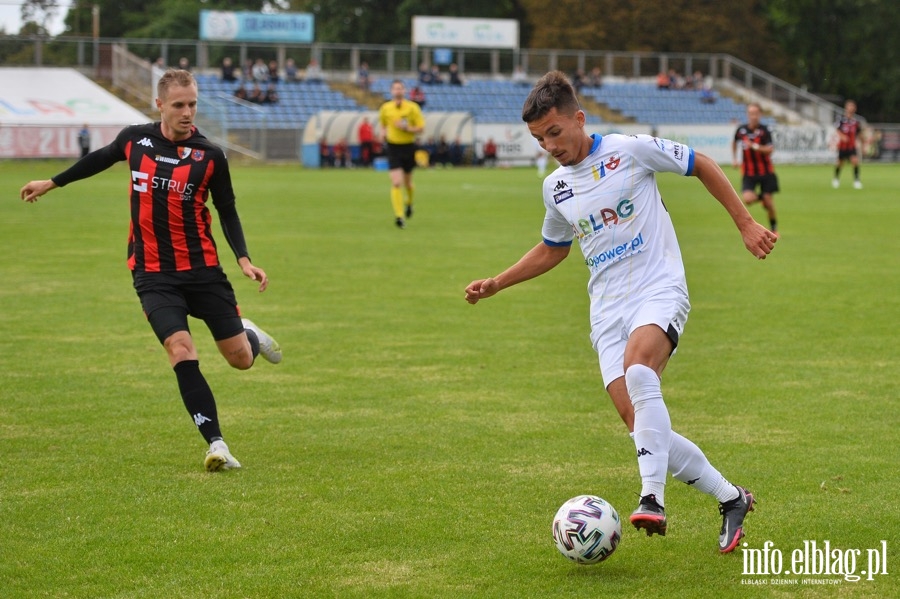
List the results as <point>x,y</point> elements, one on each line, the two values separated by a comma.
<point>611,204</point>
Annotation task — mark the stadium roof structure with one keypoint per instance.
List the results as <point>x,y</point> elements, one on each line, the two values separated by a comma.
<point>54,97</point>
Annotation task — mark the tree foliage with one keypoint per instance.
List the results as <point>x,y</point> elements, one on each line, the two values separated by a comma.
<point>846,48</point>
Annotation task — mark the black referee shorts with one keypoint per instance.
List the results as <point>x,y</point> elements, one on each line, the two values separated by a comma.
<point>401,156</point>
<point>205,293</point>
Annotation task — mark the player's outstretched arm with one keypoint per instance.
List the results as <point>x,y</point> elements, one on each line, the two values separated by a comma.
<point>35,189</point>
<point>758,240</point>
<point>540,259</point>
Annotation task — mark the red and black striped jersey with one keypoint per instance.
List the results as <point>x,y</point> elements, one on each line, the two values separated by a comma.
<point>849,126</point>
<point>755,163</point>
<point>171,225</point>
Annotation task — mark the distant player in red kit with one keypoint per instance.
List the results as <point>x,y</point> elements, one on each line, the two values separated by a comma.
<point>171,252</point>
<point>848,129</point>
<point>755,141</point>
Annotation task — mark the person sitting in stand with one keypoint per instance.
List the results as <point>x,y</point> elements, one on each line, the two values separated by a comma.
<point>271,95</point>
<point>436,77</point>
<point>256,94</point>
<point>455,77</point>
<point>290,71</point>
<point>362,76</point>
<point>417,95</point>
<point>228,70</point>
<point>519,76</point>
<point>425,77</point>
<point>274,77</point>
<point>662,80</point>
<point>313,71</point>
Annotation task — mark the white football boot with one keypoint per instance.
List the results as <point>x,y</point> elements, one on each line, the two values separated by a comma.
<point>268,347</point>
<point>219,458</point>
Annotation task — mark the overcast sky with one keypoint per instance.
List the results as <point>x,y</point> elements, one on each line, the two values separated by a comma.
<point>11,11</point>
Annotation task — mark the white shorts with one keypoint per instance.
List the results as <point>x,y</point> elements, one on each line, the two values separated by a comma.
<point>667,308</point>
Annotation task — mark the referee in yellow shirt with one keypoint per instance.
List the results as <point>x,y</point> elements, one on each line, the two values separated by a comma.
<point>401,120</point>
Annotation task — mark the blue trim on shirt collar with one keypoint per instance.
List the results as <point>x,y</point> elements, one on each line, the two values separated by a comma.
<point>690,168</point>
<point>557,244</point>
<point>596,137</point>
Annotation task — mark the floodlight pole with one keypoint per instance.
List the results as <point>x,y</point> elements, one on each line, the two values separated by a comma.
<point>95,21</point>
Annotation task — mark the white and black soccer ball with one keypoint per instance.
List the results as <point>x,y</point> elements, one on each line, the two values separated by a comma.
<point>587,529</point>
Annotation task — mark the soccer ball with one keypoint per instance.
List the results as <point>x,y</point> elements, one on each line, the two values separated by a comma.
<point>586,529</point>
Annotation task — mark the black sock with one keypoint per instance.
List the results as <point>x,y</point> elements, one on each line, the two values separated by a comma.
<point>856,173</point>
<point>837,172</point>
<point>254,342</point>
<point>198,399</point>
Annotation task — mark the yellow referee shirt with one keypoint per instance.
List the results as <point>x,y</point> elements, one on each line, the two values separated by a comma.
<point>391,114</point>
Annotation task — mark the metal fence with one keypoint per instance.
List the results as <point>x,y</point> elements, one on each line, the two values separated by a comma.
<point>341,62</point>
<point>128,64</point>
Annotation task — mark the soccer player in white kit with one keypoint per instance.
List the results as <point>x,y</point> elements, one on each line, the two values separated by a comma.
<point>605,195</point>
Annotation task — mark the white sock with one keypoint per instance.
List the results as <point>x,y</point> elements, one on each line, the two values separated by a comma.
<point>652,429</point>
<point>688,464</point>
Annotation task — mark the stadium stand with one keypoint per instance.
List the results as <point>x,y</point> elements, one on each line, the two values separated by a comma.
<point>644,103</point>
<point>297,103</point>
<point>488,101</point>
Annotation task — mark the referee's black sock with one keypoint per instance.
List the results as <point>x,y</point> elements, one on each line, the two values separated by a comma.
<point>198,399</point>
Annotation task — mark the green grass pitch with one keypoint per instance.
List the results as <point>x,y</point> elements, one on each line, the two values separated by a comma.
<point>412,445</point>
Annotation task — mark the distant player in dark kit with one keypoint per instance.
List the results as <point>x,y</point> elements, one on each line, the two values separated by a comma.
<point>848,129</point>
<point>171,251</point>
<point>755,141</point>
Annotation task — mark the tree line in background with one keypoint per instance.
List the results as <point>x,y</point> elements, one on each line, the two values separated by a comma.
<point>837,48</point>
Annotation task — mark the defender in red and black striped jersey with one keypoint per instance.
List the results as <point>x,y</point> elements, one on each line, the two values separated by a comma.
<point>171,181</point>
<point>848,129</point>
<point>757,171</point>
<point>171,251</point>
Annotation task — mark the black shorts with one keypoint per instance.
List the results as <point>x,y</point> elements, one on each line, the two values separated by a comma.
<point>767,183</point>
<point>846,154</point>
<point>169,297</point>
<point>401,156</point>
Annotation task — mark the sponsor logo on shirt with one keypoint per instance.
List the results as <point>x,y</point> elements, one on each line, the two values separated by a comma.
<point>606,217</point>
<point>145,142</point>
<point>167,160</point>
<point>562,196</point>
<point>616,253</point>
<point>560,185</point>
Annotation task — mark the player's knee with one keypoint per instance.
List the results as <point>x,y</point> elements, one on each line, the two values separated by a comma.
<point>641,381</point>
<point>242,360</point>
<point>180,348</point>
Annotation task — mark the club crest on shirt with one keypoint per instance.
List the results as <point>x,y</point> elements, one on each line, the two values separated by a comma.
<point>614,161</point>
<point>197,155</point>
<point>183,152</point>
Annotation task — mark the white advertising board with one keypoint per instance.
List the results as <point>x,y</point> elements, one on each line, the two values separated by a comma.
<point>455,32</point>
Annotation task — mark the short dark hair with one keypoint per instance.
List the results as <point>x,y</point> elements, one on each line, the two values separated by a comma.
<point>553,90</point>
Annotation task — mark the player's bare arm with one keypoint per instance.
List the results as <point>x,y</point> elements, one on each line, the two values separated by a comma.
<point>35,189</point>
<point>758,240</point>
<point>254,273</point>
<point>540,259</point>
